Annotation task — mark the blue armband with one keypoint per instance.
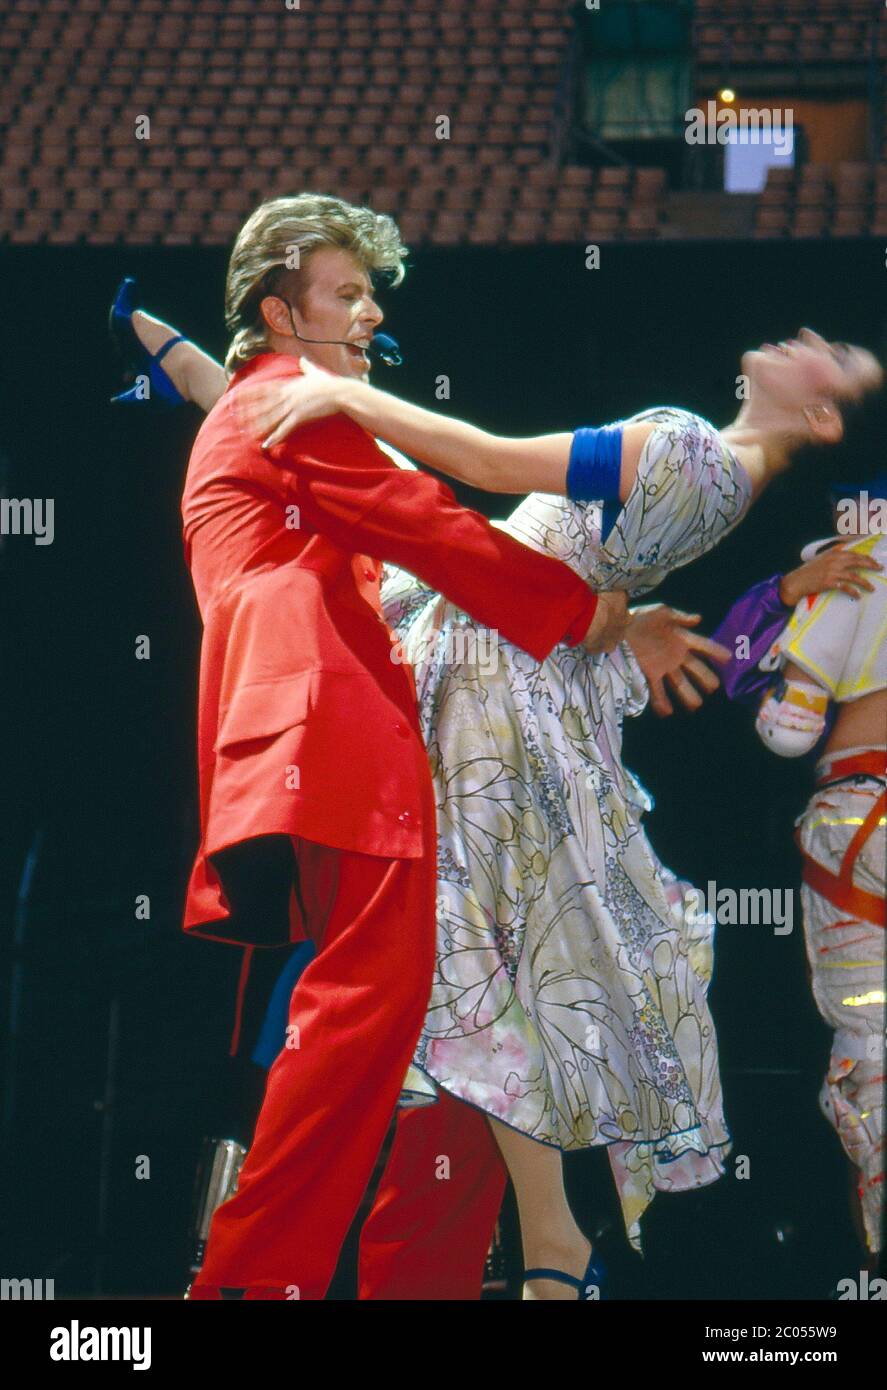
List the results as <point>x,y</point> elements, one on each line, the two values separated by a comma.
<point>594,470</point>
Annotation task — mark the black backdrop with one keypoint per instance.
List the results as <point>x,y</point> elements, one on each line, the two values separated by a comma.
<point>98,748</point>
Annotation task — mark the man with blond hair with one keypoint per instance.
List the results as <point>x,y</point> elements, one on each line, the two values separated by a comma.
<point>316,799</point>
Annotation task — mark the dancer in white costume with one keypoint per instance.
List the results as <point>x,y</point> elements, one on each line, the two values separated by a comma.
<point>834,649</point>
<point>569,1001</point>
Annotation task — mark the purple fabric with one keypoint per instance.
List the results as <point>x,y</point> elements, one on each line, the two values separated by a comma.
<point>760,615</point>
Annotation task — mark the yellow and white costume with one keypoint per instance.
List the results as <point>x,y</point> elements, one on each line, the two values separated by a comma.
<point>839,641</point>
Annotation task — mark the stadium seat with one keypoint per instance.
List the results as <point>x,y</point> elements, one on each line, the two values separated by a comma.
<point>246,99</point>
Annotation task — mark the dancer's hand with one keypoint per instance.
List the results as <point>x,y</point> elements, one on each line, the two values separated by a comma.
<point>836,568</point>
<point>270,410</point>
<point>667,650</point>
<point>608,626</point>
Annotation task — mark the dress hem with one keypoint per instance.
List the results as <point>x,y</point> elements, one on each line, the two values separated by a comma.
<point>550,1144</point>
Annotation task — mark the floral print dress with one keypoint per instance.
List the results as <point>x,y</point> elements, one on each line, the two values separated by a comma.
<point>569,995</point>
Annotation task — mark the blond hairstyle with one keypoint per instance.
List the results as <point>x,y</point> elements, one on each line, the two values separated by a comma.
<point>280,236</point>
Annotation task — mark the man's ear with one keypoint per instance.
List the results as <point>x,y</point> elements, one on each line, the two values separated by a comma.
<point>275,312</point>
<point>825,423</point>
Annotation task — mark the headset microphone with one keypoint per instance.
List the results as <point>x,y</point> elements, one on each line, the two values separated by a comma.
<point>382,345</point>
<point>387,349</point>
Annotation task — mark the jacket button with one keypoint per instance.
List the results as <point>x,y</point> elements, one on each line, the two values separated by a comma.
<point>405,817</point>
<point>369,574</point>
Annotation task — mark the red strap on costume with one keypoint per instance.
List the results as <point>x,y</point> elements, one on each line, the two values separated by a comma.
<point>868,907</point>
<point>862,834</point>
<point>872,764</point>
<point>839,888</point>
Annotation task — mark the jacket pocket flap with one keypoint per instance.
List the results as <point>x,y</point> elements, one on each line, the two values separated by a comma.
<point>257,711</point>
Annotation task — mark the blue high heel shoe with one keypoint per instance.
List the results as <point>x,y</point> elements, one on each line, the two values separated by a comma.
<point>135,356</point>
<point>594,1278</point>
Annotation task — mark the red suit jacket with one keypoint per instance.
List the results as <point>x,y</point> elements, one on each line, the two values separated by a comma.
<point>306,726</point>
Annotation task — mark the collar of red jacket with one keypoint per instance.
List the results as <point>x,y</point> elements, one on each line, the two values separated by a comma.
<point>249,368</point>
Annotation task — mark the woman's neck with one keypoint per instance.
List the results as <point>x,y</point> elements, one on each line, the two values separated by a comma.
<point>764,442</point>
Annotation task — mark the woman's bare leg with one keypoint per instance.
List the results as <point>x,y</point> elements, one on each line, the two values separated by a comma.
<point>196,375</point>
<point>549,1234</point>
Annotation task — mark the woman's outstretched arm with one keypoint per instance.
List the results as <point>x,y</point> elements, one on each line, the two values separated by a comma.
<point>493,462</point>
<point>454,447</point>
<point>496,463</point>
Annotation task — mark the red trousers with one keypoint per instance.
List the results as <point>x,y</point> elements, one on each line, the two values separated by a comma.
<point>355,1017</point>
<point>427,1236</point>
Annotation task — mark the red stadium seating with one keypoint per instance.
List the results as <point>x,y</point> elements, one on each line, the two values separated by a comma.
<point>344,96</point>
<point>817,201</point>
<point>753,33</point>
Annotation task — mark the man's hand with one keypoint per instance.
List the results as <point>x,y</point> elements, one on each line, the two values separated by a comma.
<point>665,648</point>
<point>835,568</point>
<point>609,624</point>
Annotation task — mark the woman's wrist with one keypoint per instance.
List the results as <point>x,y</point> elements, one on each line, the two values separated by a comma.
<point>786,590</point>
<point>354,398</point>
